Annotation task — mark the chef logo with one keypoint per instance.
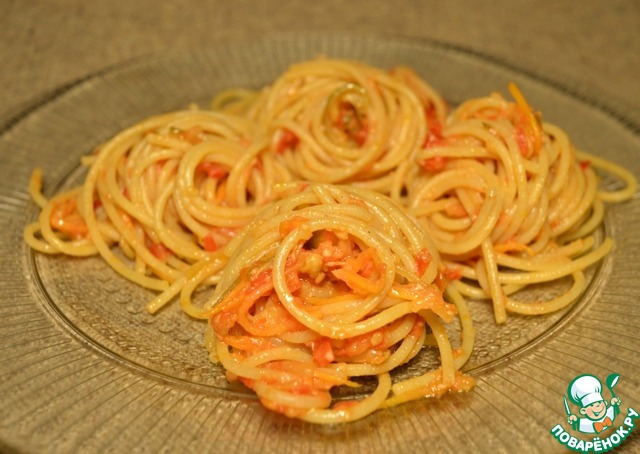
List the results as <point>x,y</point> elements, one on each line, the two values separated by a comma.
<point>596,413</point>
<point>593,411</point>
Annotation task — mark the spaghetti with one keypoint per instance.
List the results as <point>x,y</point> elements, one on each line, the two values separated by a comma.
<point>510,202</point>
<point>170,192</point>
<point>347,286</point>
<point>340,121</point>
<point>337,221</point>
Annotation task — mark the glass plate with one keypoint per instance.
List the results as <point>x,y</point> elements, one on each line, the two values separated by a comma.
<point>84,367</point>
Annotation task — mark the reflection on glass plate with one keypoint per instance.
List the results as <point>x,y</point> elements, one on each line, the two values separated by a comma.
<point>85,367</point>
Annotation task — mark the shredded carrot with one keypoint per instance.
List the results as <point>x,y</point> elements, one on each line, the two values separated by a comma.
<point>213,170</point>
<point>529,119</point>
<point>209,243</point>
<point>434,128</point>
<point>350,122</point>
<point>358,345</point>
<point>66,219</point>
<point>345,404</point>
<point>287,226</point>
<point>435,164</point>
<point>288,141</point>
<point>356,271</point>
<point>160,251</point>
<point>452,273</point>
<point>423,260</point>
<point>193,135</point>
<point>455,209</point>
<point>514,246</point>
<point>322,351</point>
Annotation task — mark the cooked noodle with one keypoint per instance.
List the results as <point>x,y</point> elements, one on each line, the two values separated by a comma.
<point>337,221</point>
<point>510,202</point>
<point>343,288</point>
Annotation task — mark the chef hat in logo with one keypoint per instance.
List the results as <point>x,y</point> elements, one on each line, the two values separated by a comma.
<point>585,390</point>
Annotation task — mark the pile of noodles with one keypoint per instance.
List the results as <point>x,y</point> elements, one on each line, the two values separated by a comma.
<point>336,220</point>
